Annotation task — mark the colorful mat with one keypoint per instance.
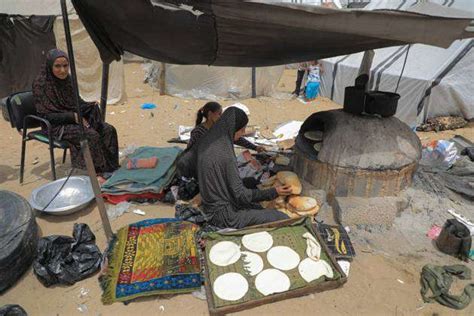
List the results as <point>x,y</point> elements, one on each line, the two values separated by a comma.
<point>151,257</point>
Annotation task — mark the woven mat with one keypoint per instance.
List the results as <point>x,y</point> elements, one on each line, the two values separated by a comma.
<point>151,257</point>
<point>290,236</point>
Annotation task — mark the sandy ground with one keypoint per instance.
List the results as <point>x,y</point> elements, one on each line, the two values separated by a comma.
<point>378,284</point>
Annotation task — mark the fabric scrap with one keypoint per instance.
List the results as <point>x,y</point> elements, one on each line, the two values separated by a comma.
<point>436,282</point>
<point>142,163</point>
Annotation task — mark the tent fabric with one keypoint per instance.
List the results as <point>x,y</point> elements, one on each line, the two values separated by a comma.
<point>89,65</point>
<point>435,81</point>
<point>33,7</point>
<point>244,34</point>
<point>17,75</point>
<point>212,83</point>
<point>24,41</point>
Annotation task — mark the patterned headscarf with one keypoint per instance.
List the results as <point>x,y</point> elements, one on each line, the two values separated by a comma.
<point>51,94</point>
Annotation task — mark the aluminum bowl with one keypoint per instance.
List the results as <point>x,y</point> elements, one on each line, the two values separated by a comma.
<point>74,196</point>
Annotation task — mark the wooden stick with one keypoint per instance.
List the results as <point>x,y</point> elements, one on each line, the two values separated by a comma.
<point>96,188</point>
<point>163,79</point>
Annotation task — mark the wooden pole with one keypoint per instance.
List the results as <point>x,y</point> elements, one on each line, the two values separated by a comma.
<point>84,144</point>
<point>163,79</point>
<point>96,188</point>
<point>254,82</point>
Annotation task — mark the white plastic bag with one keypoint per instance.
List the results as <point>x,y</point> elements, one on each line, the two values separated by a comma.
<point>441,154</point>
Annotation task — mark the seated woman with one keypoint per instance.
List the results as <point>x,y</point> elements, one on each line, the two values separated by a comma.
<point>54,100</point>
<point>225,200</point>
<point>212,111</point>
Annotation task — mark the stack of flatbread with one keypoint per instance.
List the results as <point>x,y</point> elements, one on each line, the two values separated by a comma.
<point>294,205</point>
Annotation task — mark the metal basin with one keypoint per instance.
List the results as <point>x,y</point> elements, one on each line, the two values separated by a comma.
<point>74,196</point>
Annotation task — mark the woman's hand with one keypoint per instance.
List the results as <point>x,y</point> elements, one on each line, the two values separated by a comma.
<point>260,149</point>
<point>283,190</point>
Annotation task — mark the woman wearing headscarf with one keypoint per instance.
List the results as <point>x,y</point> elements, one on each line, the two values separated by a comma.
<point>55,101</point>
<point>225,200</point>
<point>212,111</point>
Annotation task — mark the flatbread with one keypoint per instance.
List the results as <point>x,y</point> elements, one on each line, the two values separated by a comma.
<point>230,286</point>
<point>258,242</point>
<point>253,263</point>
<point>272,281</point>
<point>313,248</point>
<point>224,253</point>
<point>283,258</point>
<point>311,270</point>
<point>315,136</point>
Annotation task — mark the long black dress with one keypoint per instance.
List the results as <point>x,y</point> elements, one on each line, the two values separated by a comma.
<point>54,100</point>
<point>225,199</point>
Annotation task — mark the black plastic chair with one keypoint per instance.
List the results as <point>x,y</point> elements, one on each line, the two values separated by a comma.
<point>23,116</point>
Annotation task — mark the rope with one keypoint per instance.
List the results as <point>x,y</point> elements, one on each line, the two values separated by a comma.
<point>403,68</point>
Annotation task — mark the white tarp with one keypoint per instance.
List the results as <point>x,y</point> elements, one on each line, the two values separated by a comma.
<point>435,81</point>
<point>212,83</point>
<point>88,63</point>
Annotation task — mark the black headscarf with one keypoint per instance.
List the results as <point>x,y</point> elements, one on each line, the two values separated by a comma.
<point>53,95</point>
<point>218,176</point>
<point>221,135</point>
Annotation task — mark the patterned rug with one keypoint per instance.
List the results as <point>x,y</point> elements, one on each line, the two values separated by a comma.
<point>151,257</point>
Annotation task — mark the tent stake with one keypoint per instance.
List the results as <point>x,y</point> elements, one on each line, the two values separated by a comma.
<point>84,144</point>
<point>104,89</point>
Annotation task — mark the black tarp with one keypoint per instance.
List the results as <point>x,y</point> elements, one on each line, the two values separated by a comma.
<point>24,42</point>
<point>244,33</point>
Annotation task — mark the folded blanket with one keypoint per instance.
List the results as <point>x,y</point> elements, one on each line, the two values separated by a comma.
<point>142,163</point>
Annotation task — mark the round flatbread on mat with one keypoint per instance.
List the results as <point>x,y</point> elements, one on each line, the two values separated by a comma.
<point>258,242</point>
<point>253,263</point>
<point>272,281</point>
<point>311,270</point>
<point>224,253</point>
<point>230,286</point>
<point>283,258</point>
<point>315,136</point>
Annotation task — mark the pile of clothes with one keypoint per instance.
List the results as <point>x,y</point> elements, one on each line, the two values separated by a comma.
<point>143,177</point>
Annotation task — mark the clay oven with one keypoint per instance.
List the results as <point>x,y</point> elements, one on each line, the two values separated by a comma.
<point>355,155</point>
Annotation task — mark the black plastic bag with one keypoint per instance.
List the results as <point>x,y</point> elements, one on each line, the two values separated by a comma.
<point>12,310</point>
<point>66,260</point>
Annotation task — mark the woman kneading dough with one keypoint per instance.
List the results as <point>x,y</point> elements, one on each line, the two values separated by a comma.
<point>226,201</point>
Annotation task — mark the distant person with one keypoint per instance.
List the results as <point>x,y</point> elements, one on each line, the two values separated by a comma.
<point>302,67</point>
<point>212,112</point>
<point>225,200</point>
<point>314,80</point>
<point>54,100</point>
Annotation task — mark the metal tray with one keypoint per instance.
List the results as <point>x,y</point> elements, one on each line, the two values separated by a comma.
<point>74,196</point>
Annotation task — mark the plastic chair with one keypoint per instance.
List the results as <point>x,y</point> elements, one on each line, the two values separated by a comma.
<point>23,116</point>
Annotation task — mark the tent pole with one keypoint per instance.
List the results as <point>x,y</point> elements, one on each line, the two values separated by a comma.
<point>67,32</point>
<point>254,79</point>
<point>104,89</point>
<point>84,144</point>
<point>163,79</point>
